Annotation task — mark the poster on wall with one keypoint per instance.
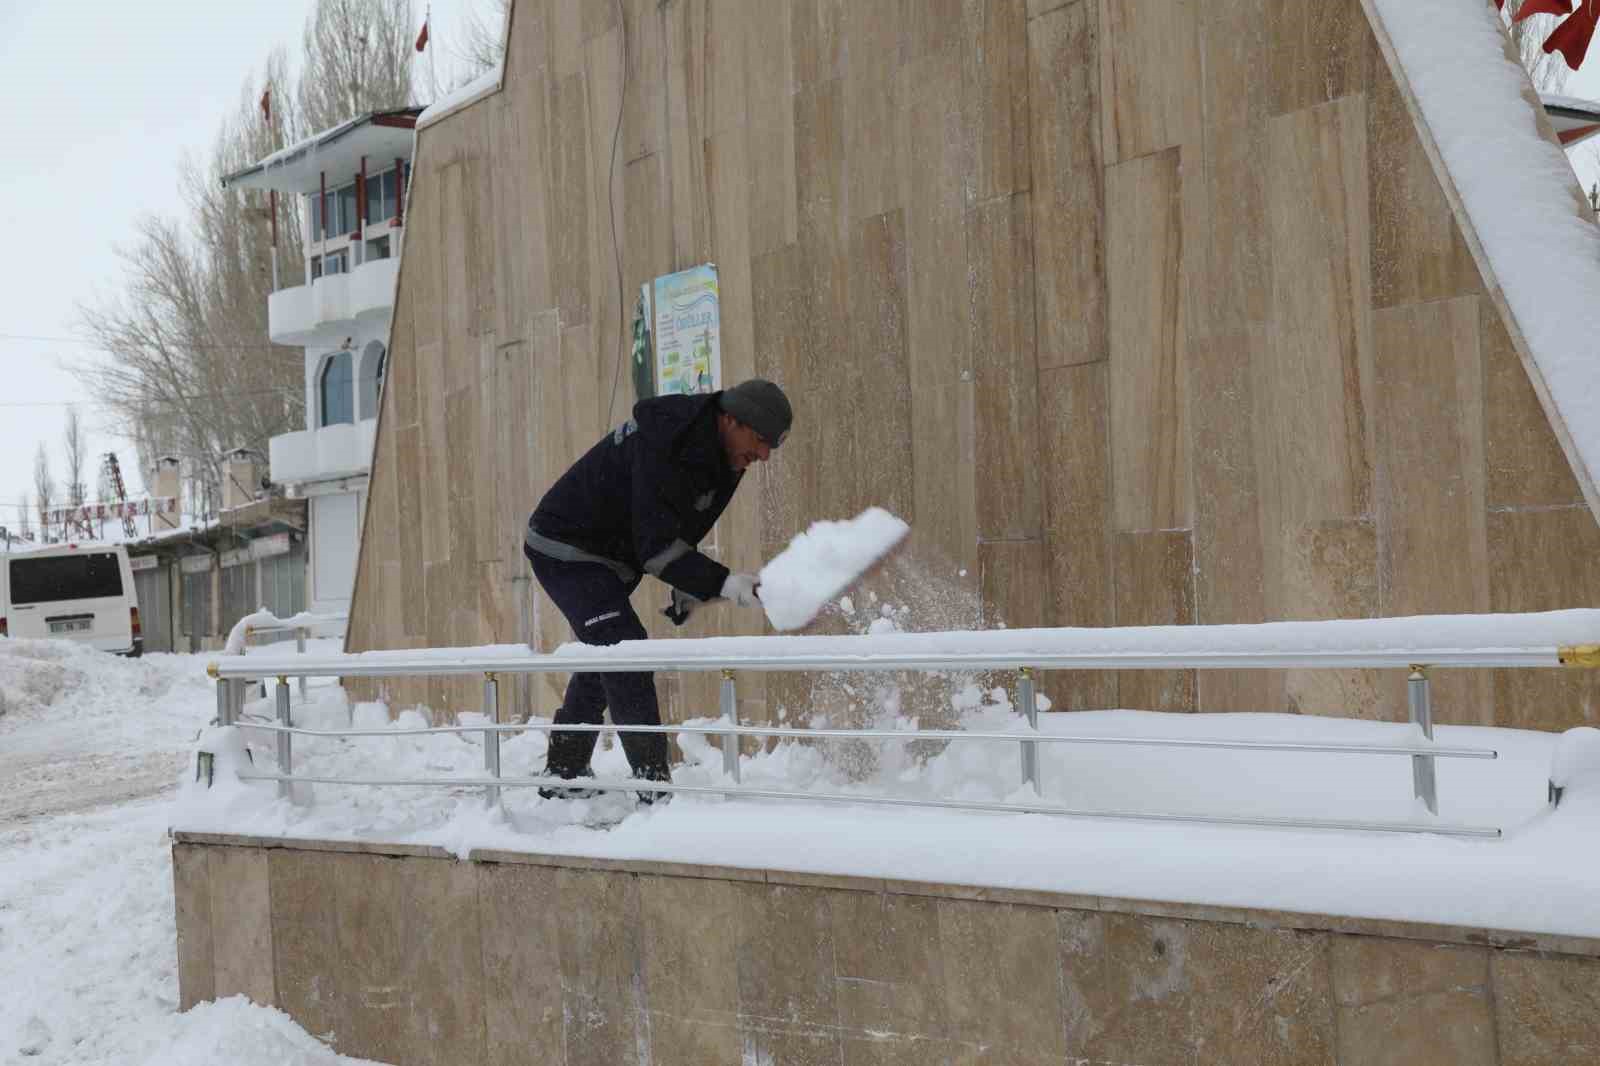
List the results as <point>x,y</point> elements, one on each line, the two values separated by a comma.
<point>688,325</point>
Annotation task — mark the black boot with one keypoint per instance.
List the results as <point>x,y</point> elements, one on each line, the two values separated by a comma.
<point>568,758</point>
<point>654,771</point>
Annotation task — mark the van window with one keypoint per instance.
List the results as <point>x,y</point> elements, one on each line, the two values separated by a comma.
<point>90,575</point>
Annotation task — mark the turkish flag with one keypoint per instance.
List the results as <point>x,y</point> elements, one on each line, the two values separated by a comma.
<point>422,38</point>
<point>1572,37</point>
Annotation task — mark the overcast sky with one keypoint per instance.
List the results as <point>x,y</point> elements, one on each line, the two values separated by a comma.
<point>102,101</point>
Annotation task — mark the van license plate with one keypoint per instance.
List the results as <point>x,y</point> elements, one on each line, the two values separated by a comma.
<point>77,626</point>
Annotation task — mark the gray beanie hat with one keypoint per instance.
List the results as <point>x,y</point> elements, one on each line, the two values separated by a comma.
<point>762,406</point>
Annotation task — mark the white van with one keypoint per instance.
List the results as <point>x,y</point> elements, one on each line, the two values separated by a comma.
<point>81,592</point>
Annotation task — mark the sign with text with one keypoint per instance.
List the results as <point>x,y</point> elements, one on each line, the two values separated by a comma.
<point>92,512</point>
<point>688,332</point>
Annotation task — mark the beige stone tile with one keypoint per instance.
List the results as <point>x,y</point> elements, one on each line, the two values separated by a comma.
<point>1412,1002</point>
<point>1524,463</point>
<point>1538,563</point>
<point>406,926</point>
<point>241,924</point>
<point>869,412</point>
<point>1149,69</point>
<point>1068,185</point>
<point>786,957</point>
<point>1154,578</point>
<point>519,910</point>
<point>695,1041</point>
<point>1448,1028</point>
<point>1002,977</point>
<point>1418,254</point>
<point>995,79</point>
<point>888,966</point>
<point>1547,1008</point>
<point>1329,569</point>
<point>876,42</point>
<point>1158,990</point>
<point>765,1042</point>
<point>1318,54</point>
<point>690,951</point>
<point>191,894</point>
<point>895,1049</point>
<point>305,942</point>
<point>944,523</point>
<point>1149,436</point>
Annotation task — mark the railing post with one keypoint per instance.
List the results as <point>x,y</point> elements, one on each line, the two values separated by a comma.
<point>491,737</point>
<point>1423,785</point>
<point>285,741</point>
<point>224,703</point>
<point>1030,710</point>
<point>730,715</point>
<point>300,647</point>
<point>235,699</point>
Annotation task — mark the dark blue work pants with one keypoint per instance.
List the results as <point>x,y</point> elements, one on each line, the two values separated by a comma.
<point>595,602</point>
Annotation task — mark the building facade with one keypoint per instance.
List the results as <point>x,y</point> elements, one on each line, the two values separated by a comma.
<point>350,180</point>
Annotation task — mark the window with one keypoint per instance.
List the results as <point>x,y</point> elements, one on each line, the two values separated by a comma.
<point>381,197</point>
<point>372,360</point>
<point>378,249</point>
<point>316,267</point>
<point>338,397</point>
<point>334,262</point>
<point>339,206</point>
<point>65,577</point>
<point>349,220</point>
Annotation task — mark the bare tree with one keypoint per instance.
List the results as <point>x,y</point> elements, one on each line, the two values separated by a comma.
<point>76,446</point>
<point>357,59</point>
<point>24,518</point>
<point>483,37</point>
<point>44,488</point>
<point>1547,69</point>
<point>192,372</point>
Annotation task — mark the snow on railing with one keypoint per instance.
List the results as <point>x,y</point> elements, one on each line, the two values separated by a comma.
<point>1555,639</point>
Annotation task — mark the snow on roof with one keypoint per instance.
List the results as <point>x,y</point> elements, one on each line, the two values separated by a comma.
<point>298,167</point>
<point>473,91</point>
<point>1521,208</point>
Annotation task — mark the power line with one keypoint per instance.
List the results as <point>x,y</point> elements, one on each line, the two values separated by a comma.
<point>145,400</point>
<point>102,348</point>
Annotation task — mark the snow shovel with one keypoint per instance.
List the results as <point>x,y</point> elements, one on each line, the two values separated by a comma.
<point>822,562</point>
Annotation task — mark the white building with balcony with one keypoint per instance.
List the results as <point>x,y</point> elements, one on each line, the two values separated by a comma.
<point>352,180</point>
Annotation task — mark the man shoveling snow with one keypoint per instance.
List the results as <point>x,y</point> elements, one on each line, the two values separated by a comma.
<point>638,502</point>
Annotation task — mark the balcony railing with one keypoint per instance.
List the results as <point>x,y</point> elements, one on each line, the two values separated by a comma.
<point>324,311</point>
<point>343,450</point>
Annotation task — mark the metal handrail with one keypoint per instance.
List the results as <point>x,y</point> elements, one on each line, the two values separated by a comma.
<point>1027,651</point>
<point>902,734</point>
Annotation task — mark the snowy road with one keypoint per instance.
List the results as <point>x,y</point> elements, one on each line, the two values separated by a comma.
<point>91,750</point>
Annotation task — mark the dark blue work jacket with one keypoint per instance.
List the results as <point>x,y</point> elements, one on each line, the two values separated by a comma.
<point>646,495</point>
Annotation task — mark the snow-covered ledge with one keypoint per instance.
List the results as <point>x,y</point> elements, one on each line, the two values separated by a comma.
<point>1518,201</point>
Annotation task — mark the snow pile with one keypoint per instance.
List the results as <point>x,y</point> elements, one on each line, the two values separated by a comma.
<point>240,1033</point>
<point>1519,191</point>
<point>1576,762</point>
<point>824,561</point>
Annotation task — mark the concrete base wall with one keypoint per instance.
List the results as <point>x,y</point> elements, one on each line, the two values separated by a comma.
<point>408,956</point>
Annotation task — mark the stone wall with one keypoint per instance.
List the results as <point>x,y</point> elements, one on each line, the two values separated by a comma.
<point>1139,311</point>
<point>406,955</point>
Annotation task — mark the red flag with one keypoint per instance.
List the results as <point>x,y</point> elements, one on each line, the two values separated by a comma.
<point>1542,7</point>
<point>1572,37</point>
<point>266,103</point>
<point>422,38</point>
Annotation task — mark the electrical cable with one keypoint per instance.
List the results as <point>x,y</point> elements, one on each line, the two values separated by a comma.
<point>611,201</point>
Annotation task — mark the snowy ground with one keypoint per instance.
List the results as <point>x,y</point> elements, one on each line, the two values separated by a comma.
<point>91,751</point>
<point>97,752</point>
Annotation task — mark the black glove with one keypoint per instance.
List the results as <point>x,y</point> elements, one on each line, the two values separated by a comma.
<point>681,607</point>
